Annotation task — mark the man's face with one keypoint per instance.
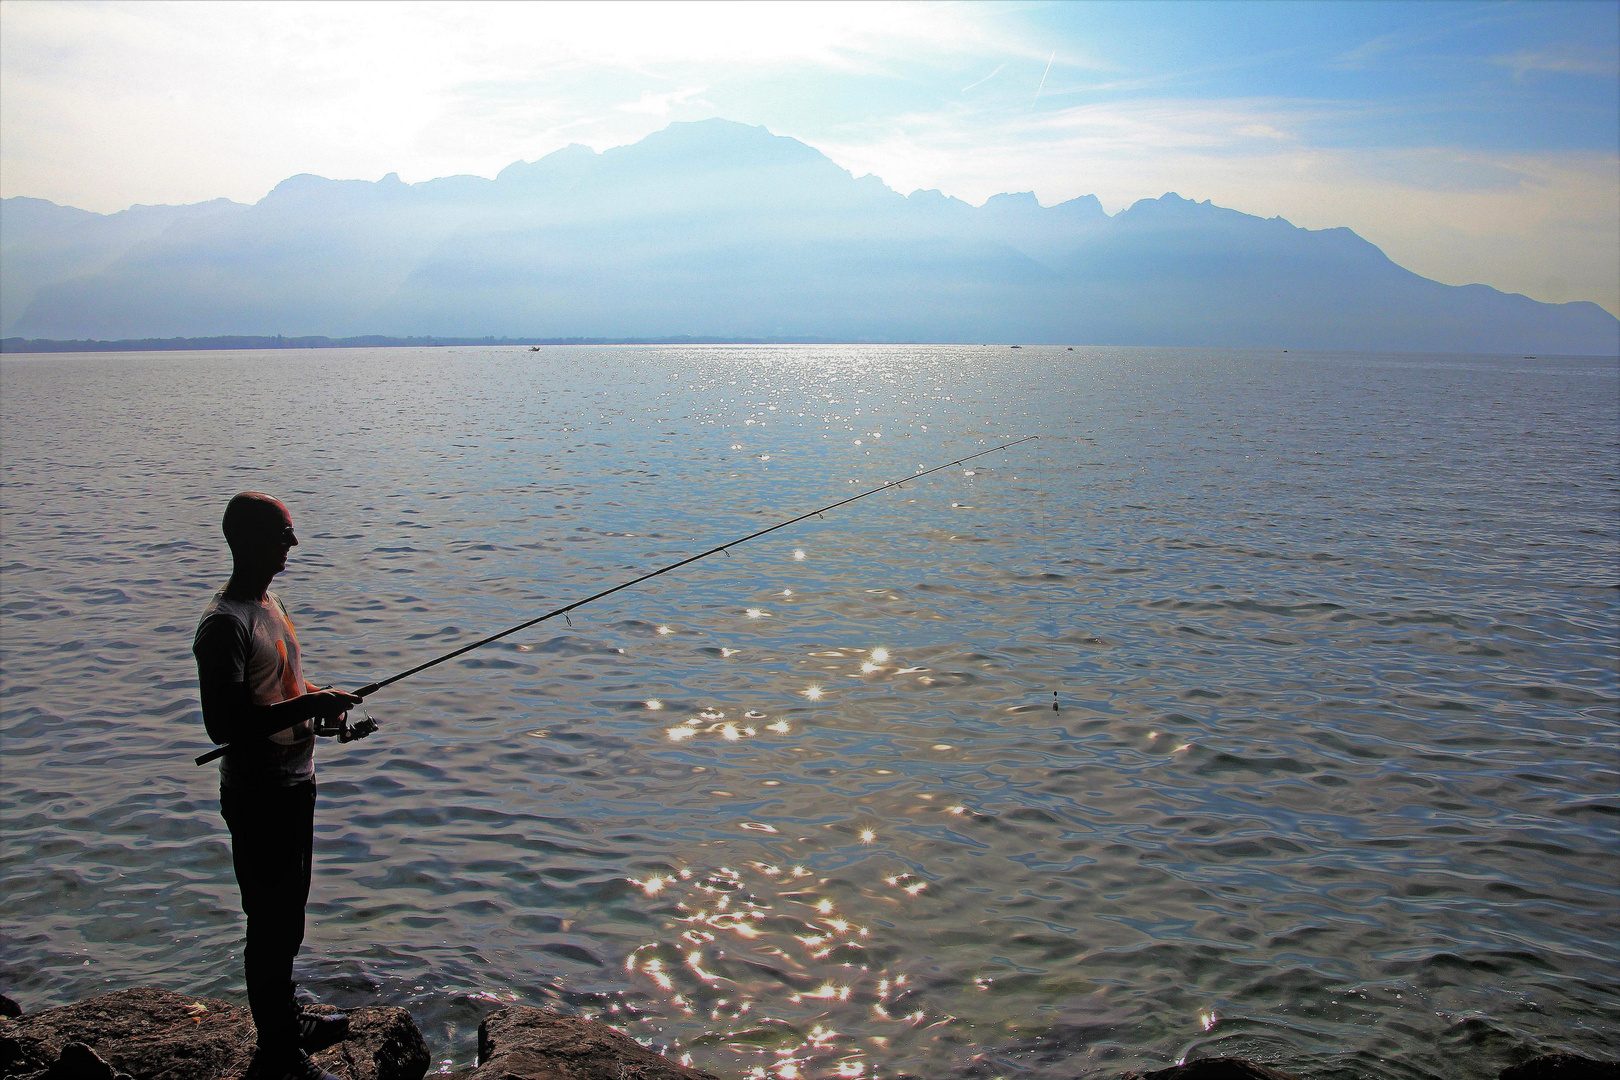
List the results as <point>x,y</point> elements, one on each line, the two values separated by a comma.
<point>273,538</point>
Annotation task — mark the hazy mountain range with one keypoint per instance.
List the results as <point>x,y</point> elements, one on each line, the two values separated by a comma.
<point>716,228</point>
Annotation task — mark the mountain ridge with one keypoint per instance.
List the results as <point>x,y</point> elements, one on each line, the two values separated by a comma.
<point>723,230</point>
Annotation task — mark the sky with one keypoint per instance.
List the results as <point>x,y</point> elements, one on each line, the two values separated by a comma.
<point>1471,141</point>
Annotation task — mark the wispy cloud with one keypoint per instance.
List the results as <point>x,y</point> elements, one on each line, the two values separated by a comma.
<point>1376,49</point>
<point>1259,131</point>
<point>1161,80</point>
<point>1560,63</point>
<point>653,104</point>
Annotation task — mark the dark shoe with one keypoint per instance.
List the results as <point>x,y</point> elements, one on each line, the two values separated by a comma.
<point>317,1031</point>
<point>289,1065</point>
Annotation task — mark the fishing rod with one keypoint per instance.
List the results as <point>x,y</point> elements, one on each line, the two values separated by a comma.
<point>365,727</point>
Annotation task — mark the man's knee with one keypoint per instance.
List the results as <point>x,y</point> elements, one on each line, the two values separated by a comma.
<point>279,923</point>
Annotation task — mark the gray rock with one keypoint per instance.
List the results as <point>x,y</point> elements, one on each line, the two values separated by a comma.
<point>525,1043</point>
<point>9,1007</point>
<point>79,1062</point>
<point>1221,1068</point>
<point>1562,1067</point>
<point>153,1034</point>
<point>384,1043</point>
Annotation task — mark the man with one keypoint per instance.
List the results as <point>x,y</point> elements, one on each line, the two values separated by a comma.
<point>255,697</point>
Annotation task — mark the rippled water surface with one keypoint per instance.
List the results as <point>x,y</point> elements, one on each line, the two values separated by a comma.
<point>1331,782</point>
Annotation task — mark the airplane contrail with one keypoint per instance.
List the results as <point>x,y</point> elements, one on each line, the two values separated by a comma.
<point>984,80</point>
<point>1044,74</point>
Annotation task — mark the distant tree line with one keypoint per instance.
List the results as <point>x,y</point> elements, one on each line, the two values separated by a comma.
<point>365,341</point>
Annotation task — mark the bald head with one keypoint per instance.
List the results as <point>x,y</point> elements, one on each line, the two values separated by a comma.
<point>260,532</point>
<point>252,516</point>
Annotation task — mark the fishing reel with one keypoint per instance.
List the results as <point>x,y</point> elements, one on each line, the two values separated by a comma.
<point>339,728</point>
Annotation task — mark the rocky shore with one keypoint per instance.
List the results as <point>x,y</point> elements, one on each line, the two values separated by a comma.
<point>153,1034</point>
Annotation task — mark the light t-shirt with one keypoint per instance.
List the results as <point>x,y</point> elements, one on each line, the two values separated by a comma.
<point>252,643</point>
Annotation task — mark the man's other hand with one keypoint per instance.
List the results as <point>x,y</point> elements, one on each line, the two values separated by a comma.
<point>330,704</point>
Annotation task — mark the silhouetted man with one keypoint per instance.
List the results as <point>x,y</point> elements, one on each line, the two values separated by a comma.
<point>255,697</point>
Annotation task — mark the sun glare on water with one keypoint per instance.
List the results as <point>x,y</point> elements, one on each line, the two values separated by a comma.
<point>760,913</point>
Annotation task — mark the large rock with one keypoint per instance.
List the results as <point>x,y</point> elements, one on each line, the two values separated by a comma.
<point>384,1043</point>
<point>153,1034</point>
<point>524,1043</point>
<point>1562,1067</point>
<point>1221,1068</point>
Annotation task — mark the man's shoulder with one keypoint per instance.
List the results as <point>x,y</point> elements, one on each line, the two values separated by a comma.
<point>222,605</point>
<point>226,615</point>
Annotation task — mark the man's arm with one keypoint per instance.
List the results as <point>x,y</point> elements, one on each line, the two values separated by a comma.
<point>230,715</point>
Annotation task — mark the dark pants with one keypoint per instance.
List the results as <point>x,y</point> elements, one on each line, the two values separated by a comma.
<point>272,836</point>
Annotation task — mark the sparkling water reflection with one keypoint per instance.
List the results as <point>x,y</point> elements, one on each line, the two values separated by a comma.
<point>1331,779</point>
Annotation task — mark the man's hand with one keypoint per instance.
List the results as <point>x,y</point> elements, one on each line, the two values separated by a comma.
<point>328,704</point>
<point>232,716</point>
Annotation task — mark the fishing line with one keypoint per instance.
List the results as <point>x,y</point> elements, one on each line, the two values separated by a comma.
<point>372,688</point>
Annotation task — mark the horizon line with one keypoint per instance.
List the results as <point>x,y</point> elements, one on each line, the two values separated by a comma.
<point>20,346</point>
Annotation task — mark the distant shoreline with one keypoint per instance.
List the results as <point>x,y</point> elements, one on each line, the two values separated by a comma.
<point>225,342</point>
<point>367,341</point>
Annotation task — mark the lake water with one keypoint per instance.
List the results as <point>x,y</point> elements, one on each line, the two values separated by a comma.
<point>1332,782</point>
